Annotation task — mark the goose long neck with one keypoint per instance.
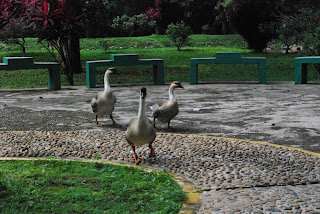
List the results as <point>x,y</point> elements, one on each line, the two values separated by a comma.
<point>171,95</point>
<point>141,114</point>
<point>106,81</point>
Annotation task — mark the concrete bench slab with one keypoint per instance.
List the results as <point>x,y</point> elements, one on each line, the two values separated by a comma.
<point>228,58</point>
<point>25,63</point>
<point>122,60</point>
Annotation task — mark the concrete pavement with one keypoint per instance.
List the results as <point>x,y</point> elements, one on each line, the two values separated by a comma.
<point>280,113</point>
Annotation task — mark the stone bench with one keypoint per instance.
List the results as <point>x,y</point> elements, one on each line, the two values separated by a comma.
<point>301,68</point>
<point>228,58</point>
<point>121,60</point>
<point>25,63</point>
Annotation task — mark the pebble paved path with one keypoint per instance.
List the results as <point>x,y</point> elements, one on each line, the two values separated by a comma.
<point>235,176</point>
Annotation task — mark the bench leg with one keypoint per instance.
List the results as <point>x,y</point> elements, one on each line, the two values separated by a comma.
<point>262,73</point>
<point>54,78</point>
<point>193,74</point>
<point>90,76</point>
<point>158,74</point>
<point>304,76</point>
<point>301,73</point>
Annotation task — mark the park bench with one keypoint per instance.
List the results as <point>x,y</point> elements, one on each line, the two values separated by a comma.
<point>228,58</point>
<point>25,63</point>
<point>301,67</point>
<point>122,60</point>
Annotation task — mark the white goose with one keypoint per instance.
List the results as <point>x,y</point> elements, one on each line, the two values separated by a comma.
<point>140,130</point>
<point>103,103</point>
<point>166,110</point>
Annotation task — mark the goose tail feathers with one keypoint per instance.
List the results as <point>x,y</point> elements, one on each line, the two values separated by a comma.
<point>155,110</point>
<point>94,105</point>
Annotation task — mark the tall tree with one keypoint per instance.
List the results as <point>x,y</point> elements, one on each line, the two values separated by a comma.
<point>221,17</point>
<point>247,17</point>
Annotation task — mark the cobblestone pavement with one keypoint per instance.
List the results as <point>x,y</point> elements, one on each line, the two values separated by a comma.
<point>236,176</point>
<point>274,199</point>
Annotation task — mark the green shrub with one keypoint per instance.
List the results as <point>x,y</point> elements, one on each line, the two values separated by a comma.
<point>179,34</point>
<point>205,29</point>
<point>302,28</point>
<point>137,25</point>
<point>106,44</point>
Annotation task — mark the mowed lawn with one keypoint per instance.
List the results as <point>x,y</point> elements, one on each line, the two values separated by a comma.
<point>280,67</point>
<point>53,186</point>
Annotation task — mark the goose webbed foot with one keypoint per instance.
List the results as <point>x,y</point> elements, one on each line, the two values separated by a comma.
<point>114,123</point>
<point>137,160</point>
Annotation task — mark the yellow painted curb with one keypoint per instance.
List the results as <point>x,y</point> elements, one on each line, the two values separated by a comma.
<point>189,207</point>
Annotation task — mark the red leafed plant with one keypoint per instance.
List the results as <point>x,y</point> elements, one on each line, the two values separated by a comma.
<point>46,15</point>
<point>58,22</point>
<point>56,16</point>
<point>154,13</point>
<point>42,15</point>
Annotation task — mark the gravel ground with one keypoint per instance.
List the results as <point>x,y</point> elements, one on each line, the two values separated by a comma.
<point>236,176</point>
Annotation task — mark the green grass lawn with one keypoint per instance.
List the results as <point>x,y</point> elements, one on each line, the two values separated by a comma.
<point>51,186</point>
<point>280,67</point>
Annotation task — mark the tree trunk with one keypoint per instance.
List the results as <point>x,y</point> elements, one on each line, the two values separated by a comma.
<point>69,56</point>
<point>23,46</point>
<point>75,58</point>
<point>224,23</point>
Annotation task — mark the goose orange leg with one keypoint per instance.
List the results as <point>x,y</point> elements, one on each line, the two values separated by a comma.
<point>97,123</point>
<point>152,153</point>
<point>169,126</point>
<point>113,121</point>
<point>137,160</point>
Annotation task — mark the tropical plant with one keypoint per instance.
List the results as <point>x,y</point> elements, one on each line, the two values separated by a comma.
<point>58,24</point>
<point>9,10</point>
<point>179,34</point>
